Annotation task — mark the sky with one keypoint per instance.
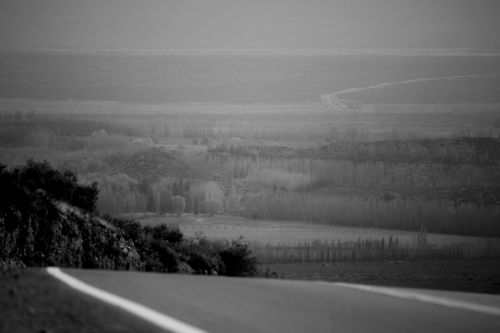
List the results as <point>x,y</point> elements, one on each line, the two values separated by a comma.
<point>203,24</point>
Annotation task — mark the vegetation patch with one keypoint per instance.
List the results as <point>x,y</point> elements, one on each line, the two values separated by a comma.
<point>154,161</point>
<point>478,150</point>
<point>47,218</point>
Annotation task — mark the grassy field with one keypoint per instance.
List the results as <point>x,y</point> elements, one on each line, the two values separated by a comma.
<point>296,232</point>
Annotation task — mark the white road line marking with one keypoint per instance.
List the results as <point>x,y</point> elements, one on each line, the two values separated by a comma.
<point>139,310</point>
<point>463,305</point>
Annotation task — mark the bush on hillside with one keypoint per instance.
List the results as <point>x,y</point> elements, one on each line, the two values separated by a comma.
<point>164,249</point>
<point>237,259</point>
<point>37,177</point>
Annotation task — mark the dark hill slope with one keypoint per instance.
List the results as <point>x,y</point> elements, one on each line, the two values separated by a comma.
<point>45,219</point>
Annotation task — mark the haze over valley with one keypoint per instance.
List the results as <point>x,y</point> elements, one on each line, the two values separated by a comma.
<point>354,142</point>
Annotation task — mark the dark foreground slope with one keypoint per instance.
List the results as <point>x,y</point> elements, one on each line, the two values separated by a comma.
<point>32,301</point>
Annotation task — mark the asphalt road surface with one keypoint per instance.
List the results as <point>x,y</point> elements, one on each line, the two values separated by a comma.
<point>221,304</point>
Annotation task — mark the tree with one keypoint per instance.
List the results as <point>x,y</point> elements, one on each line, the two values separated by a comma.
<point>150,202</point>
<point>195,208</point>
<point>178,205</point>
<point>165,202</point>
<point>212,207</point>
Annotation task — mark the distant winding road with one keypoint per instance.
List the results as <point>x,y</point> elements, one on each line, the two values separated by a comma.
<point>221,304</point>
<point>334,102</point>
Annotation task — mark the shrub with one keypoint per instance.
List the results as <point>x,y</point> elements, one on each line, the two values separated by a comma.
<point>237,259</point>
<point>132,230</point>
<point>202,263</point>
<point>58,185</point>
<point>166,258</point>
<point>211,207</point>
<point>164,232</point>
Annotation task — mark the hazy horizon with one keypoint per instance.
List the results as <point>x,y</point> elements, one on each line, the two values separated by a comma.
<point>236,24</point>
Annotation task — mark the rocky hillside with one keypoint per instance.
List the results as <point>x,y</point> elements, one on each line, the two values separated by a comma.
<point>46,219</point>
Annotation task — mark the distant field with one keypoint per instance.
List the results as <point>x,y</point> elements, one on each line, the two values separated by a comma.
<point>71,107</point>
<point>294,232</point>
<point>232,79</point>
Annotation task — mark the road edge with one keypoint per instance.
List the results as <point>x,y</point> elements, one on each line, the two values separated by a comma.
<point>424,298</point>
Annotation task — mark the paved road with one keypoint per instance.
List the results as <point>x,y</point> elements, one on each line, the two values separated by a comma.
<point>219,304</point>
